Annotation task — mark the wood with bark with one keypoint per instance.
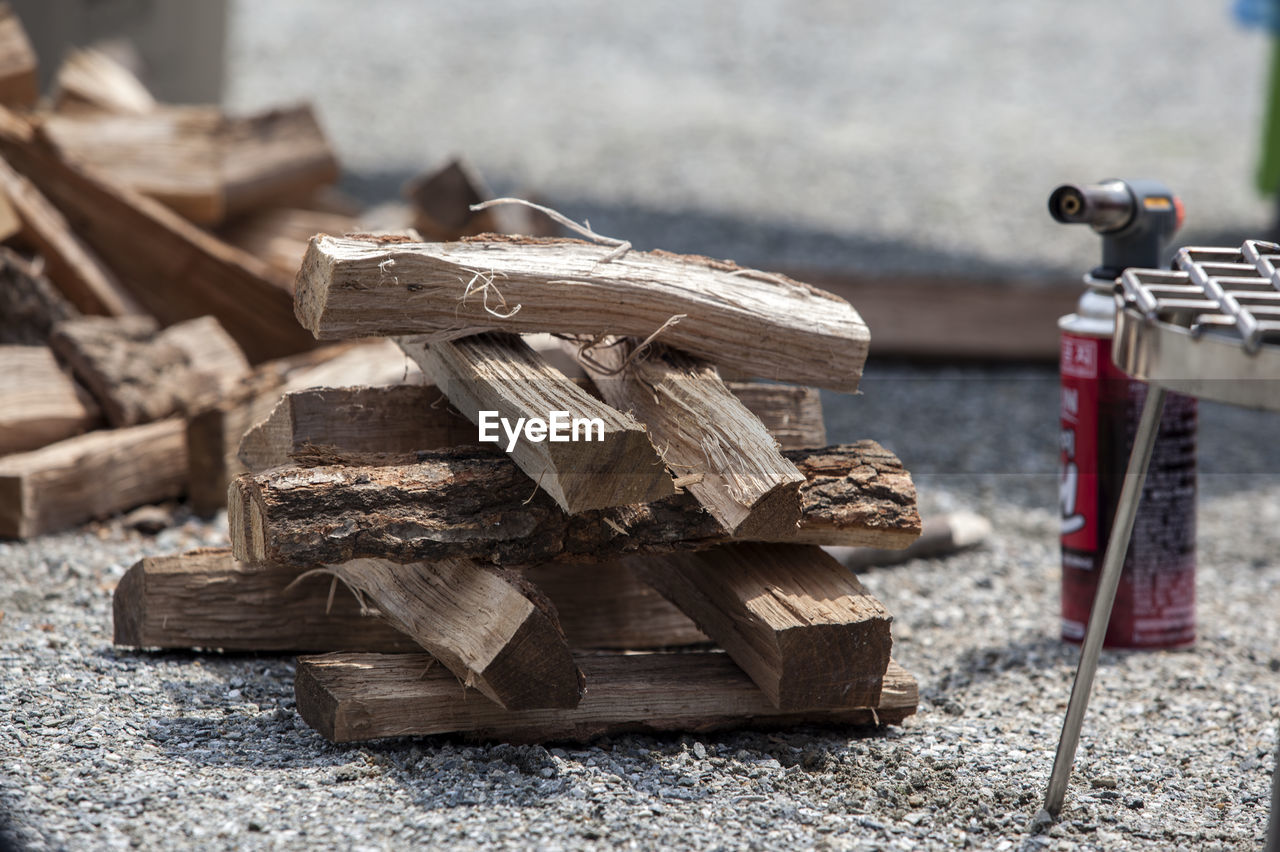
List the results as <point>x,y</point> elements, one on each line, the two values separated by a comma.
<point>764,325</point>
<point>93,79</point>
<point>205,599</point>
<point>476,503</point>
<point>396,419</point>
<point>198,162</point>
<point>30,305</point>
<point>214,431</point>
<point>796,620</point>
<point>441,201</point>
<point>139,373</point>
<point>91,476</point>
<point>76,270</point>
<point>39,402</point>
<point>494,631</point>
<point>499,372</point>
<point>19,85</point>
<point>718,449</point>
<point>174,269</point>
<point>352,697</point>
<point>793,415</point>
<point>279,235</point>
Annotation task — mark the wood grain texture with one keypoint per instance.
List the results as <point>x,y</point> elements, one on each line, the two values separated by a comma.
<point>205,599</point>
<point>19,85</point>
<point>39,402</point>
<point>477,504</point>
<point>172,268</point>
<point>353,697</point>
<point>92,79</point>
<point>489,627</point>
<point>91,476</point>
<point>793,415</point>
<point>30,305</point>
<point>139,373</point>
<point>762,325</point>
<point>797,621</point>
<point>721,451</point>
<point>499,372</point>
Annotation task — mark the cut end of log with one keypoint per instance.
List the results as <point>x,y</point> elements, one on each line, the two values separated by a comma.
<point>311,287</point>
<point>774,517</point>
<point>245,518</point>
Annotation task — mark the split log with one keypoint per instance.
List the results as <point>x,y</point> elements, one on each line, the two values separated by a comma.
<point>764,325</point>
<point>721,452</point>
<point>793,415</point>
<point>494,631</point>
<point>71,264</point>
<point>201,164</point>
<point>797,621</point>
<point>214,432</point>
<point>398,419</point>
<point>39,403</point>
<point>30,306</point>
<point>91,476</point>
<point>205,599</point>
<point>280,235</point>
<point>475,503</point>
<point>174,269</point>
<point>93,79</point>
<point>441,201</point>
<point>615,466</point>
<point>19,85</point>
<point>139,373</point>
<point>351,697</point>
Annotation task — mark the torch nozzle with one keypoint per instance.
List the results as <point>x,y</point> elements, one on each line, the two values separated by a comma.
<point>1107,206</point>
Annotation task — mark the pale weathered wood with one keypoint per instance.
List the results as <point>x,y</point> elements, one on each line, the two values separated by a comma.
<point>205,599</point>
<point>173,268</point>
<point>139,373</point>
<point>214,431</point>
<point>338,421</point>
<point>279,235</point>
<point>351,697</point>
<point>70,264</point>
<point>720,452</point>
<point>39,402</point>
<point>796,620</point>
<point>793,415</point>
<point>90,78</point>
<point>198,162</point>
<point>489,627</point>
<point>30,305</point>
<point>478,504</point>
<point>91,476</point>
<point>499,372</point>
<point>19,85</point>
<point>763,325</point>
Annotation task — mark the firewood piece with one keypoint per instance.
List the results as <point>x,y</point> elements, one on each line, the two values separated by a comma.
<point>477,503</point>
<point>39,403</point>
<point>607,606</point>
<point>71,265</point>
<point>91,476</point>
<point>205,599</point>
<point>19,85</point>
<point>90,78</point>
<point>730,462</point>
<point>797,621</point>
<point>214,431</point>
<point>279,235</point>
<point>793,415</point>
<point>941,535</point>
<point>615,466</point>
<point>198,162</point>
<point>396,419</point>
<point>765,325</point>
<point>176,270</point>
<point>441,201</point>
<point>139,373</point>
<point>30,306</point>
<point>352,697</point>
<point>494,631</point>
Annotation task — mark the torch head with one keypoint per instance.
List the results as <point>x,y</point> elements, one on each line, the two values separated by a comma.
<point>1135,219</point>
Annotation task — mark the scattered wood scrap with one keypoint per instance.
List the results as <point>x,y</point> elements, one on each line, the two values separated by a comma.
<point>763,325</point>
<point>279,235</point>
<point>30,306</point>
<point>352,697</point>
<point>19,86</point>
<point>441,203</point>
<point>93,79</point>
<point>39,402</point>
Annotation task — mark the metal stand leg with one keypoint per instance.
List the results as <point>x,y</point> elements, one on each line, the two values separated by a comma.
<point>1134,478</point>
<point>1273,823</point>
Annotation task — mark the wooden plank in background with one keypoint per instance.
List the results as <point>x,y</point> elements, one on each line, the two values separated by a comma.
<point>19,85</point>
<point>39,402</point>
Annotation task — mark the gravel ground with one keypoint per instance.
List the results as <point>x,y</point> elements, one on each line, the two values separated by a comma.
<point>106,748</point>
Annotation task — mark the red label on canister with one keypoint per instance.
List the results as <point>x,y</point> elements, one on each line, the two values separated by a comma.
<point>1100,405</point>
